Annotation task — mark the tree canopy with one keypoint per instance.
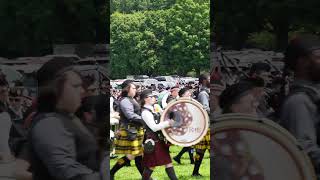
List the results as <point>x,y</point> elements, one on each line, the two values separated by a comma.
<point>171,40</point>
<point>266,20</point>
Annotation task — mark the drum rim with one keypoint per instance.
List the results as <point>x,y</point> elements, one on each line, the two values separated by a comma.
<point>204,113</point>
<point>271,130</point>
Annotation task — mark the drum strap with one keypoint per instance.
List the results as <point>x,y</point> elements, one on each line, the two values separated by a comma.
<point>149,132</point>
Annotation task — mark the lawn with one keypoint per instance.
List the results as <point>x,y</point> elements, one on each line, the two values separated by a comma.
<point>183,171</point>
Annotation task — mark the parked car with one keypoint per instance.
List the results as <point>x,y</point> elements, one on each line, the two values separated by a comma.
<point>167,81</point>
<point>149,82</point>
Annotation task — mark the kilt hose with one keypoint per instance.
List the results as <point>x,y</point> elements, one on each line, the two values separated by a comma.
<point>204,143</point>
<point>125,146</point>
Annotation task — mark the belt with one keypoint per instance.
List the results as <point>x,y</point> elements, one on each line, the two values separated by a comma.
<point>130,125</point>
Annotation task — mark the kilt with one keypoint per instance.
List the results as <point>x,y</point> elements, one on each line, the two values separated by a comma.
<point>160,156</point>
<point>204,143</point>
<point>125,146</point>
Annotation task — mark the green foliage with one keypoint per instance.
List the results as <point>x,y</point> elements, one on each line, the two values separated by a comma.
<point>169,41</point>
<point>262,40</point>
<point>236,20</point>
<point>130,6</point>
<point>183,171</point>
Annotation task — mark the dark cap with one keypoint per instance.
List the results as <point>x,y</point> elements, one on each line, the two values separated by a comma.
<point>126,83</point>
<point>146,93</point>
<point>300,46</point>
<point>52,68</point>
<point>183,91</point>
<point>234,92</point>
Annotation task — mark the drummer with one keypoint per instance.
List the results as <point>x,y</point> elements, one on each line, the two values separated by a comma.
<point>159,156</point>
<point>204,144</point>
<point>131,132</point>
<point>237,98</point>
<point>184,92</point>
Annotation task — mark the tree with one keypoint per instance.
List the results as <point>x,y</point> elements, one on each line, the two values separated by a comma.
<point>130,6</point>
<point>236,20</point>
<point>166,41</point>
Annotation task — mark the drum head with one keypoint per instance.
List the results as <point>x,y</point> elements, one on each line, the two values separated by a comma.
<point>194,125</point>
<point>258,149</point>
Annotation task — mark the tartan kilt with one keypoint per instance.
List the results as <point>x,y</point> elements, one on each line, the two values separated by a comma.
<point>125,146</point>
<point>204,143</point>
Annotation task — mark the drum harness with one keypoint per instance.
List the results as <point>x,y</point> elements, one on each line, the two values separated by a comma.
<point>149,142</point>
<point>157,134</point>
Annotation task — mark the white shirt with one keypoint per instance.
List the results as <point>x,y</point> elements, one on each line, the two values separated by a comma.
<point>148,118</point>
<point>111,104</point>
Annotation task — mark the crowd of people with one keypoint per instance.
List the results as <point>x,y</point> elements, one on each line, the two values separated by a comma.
<point>63,132</point>
<point>136,112</point>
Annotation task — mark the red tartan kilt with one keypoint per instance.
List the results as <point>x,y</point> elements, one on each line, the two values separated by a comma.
<point>160,156</point>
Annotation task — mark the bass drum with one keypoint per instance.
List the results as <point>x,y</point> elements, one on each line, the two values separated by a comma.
<point>194,122</point>
<point>250,148</point>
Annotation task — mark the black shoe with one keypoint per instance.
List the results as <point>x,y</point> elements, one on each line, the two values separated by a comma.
<point>177,160</point>
<point>129,164</point>
<point>197,175</point>
<point>113,156</point>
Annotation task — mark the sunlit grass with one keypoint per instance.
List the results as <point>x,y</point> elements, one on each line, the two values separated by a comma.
<point>183,171</point>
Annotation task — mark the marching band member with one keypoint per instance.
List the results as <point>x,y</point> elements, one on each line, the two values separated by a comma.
<point>157,152</point>
<point>204,144</point>
<point>131,132</point>
<point>184,92</point>
<point>237,98</point>
<point>300,112</point>
<point>174,94</point>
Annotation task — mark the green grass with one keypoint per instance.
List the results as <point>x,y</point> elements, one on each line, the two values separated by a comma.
<point>183,171</point>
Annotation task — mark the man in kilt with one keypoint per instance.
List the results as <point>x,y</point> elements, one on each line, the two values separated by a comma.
<point>204,144</point>
<point>130,135</point>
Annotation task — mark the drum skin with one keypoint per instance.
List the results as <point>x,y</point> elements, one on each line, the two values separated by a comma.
<point>257,149</point>
<point>195,122</point>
